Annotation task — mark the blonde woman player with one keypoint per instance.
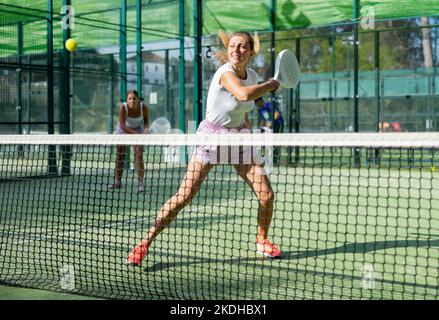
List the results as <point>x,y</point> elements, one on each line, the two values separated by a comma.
<point>231,96</point>
<point>133,119</point>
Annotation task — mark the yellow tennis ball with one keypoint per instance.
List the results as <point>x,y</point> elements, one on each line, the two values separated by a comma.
<point>433,168</point>
<point>71,44</point>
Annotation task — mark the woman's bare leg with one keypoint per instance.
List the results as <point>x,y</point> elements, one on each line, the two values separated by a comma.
<point>256,178</point>
<point>139,166</point>
<point>120,158</point>
<point>196,173</point>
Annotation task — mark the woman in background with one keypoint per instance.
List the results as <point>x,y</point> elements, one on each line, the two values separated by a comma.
<point>133,119</point>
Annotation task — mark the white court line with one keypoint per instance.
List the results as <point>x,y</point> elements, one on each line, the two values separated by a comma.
<point>71,233</point>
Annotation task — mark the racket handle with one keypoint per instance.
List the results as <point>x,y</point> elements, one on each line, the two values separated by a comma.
<point>277,82</point>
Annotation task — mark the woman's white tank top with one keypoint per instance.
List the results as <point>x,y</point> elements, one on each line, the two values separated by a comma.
<point>131,122</point>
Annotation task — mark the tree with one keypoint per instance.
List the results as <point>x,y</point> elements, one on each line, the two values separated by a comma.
<point>426,43</point>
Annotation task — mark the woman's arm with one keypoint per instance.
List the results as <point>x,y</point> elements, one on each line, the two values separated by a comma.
<point>232,83</point>
<point>145,119</point>
<point>247,121</point>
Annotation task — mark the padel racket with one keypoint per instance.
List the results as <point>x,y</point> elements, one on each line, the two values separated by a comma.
<point>287,69</point>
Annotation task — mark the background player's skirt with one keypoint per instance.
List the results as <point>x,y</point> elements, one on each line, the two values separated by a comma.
<point>119,130</point>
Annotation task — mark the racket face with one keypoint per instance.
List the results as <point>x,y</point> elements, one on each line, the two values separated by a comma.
<point>160,125</point>
<point>277,66</point>
<point>287,70</point>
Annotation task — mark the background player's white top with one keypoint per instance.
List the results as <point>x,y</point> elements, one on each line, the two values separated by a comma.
<point>222,107</point>
<point>136,122</point>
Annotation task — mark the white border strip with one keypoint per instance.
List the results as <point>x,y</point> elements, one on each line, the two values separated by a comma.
<point>403,139</point>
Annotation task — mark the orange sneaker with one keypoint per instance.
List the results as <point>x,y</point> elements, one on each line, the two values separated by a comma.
<point>137,254</point>
<point>266,248</point>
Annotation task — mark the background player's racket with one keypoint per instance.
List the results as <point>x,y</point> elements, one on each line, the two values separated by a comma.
<point>287,69</point>
<point>160,125</point>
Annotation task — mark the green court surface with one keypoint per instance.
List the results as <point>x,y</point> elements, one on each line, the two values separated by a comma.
<point>346,233</point>
<point>15,293</point>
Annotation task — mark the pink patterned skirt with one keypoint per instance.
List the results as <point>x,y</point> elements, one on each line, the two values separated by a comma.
<point>225,154</point>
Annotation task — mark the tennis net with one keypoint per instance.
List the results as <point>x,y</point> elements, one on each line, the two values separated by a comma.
<point>355,215</point>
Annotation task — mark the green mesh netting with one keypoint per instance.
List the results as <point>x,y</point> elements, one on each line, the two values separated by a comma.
<point>97,22</point>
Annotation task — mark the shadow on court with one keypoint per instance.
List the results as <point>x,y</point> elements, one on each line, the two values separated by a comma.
<point>280,265</point>
<point>361,248</point>
<point>296,255</point>
<point>187,261</point>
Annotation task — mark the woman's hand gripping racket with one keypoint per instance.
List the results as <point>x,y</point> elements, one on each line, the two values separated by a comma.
<point>287,69</point>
